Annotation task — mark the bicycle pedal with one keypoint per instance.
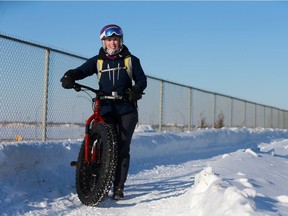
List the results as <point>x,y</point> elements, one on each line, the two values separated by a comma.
<point>73,164</point>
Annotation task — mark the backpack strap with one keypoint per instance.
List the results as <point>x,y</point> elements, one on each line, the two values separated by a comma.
<point>127,63</point>
<point>99,67</point>
<point>128,66</point>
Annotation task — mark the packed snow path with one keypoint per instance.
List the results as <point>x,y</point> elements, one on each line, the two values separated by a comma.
<point>206,172</point>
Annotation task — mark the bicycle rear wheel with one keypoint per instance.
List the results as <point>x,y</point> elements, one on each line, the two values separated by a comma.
<point>93,180</point>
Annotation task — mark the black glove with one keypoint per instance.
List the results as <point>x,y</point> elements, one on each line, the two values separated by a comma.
<point>67,81</point>
<point>134,94</point>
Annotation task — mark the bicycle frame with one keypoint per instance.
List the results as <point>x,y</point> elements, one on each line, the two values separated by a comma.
<point>95,118</point>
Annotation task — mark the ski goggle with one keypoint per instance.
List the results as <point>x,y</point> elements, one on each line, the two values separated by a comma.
<point>110,32</point>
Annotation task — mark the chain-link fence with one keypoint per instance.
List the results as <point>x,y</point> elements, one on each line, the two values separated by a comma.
<point>34,106</point>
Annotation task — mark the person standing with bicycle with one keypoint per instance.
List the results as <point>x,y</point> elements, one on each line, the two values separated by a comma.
<point>110,65</point>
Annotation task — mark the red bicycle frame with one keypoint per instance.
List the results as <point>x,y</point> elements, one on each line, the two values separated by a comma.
<point>96,117</point>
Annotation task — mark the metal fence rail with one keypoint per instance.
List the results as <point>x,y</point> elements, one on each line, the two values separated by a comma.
<point>34,106</point>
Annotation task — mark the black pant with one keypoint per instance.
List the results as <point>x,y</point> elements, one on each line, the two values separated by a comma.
<point>124,125</point>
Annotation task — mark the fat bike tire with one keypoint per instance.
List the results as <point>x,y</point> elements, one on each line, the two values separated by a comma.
<point>94,180</point>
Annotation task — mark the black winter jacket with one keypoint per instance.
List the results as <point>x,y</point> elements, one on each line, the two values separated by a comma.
<point>116,80</point>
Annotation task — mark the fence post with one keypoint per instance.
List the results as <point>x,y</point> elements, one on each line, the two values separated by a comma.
<point>244,115</point>
<point>271,113</point>
<point>278,112</point>
<point>45,95</point>
<point>231,113</point>
<point>214,110</point>
<point>264,116</point>
<point>190,109</point>
<point>255,115</point>
<point>285,119</point>
<point>161,106</point>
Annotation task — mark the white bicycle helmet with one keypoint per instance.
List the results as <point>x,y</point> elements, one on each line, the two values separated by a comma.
<point>111,30</point>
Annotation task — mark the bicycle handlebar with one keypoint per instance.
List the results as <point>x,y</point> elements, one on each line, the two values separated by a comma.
<point>78,87</point>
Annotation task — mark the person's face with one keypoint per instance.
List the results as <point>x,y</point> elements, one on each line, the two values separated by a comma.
<point>112,43</point>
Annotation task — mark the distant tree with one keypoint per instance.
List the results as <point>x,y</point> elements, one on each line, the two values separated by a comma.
<point>202,123</point>
<point>220,121</point>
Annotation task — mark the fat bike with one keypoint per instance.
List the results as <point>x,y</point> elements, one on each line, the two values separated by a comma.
<point>96,164</point>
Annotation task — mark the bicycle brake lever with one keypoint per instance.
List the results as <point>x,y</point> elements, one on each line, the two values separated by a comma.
<point>77,87</point>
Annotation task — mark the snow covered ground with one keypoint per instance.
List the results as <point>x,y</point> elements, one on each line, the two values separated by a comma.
<point>220,172</point>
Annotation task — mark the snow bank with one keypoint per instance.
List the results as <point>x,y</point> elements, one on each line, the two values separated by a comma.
<point>217,172</point>
<point>174,148</point>
<point>211,195</point>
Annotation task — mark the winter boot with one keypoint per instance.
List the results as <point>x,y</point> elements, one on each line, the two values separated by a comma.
<point>118,194</point>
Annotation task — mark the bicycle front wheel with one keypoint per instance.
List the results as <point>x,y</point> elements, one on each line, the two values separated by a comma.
<point>94,180</point>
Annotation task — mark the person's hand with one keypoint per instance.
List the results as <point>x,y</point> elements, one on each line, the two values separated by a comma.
<point>67,82</point>
<point>134,94</point>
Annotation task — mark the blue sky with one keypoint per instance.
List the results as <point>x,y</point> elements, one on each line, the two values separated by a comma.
<point>234,48</point>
